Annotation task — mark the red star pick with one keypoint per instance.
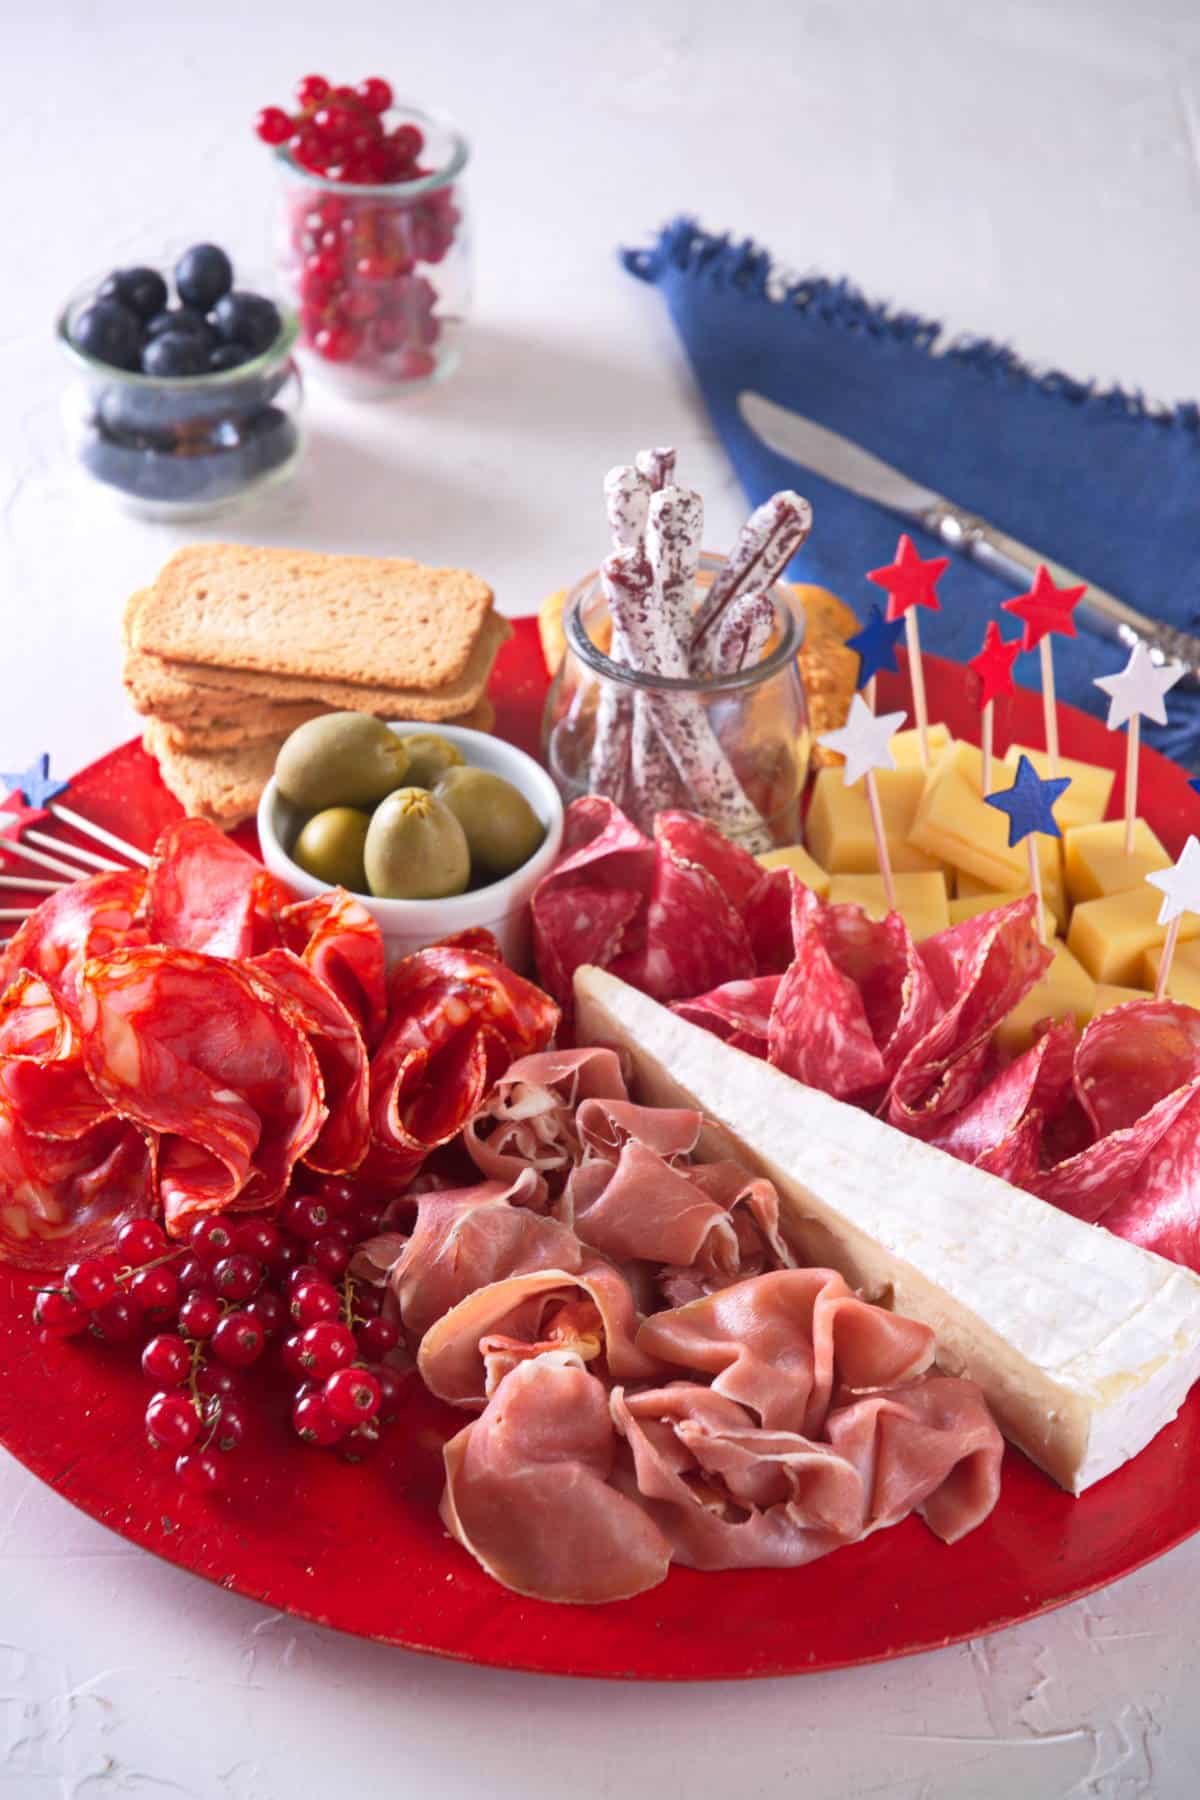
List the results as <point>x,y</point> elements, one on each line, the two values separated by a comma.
<point>910,580</point>
<point>15,816</point>
<point>991,669</point>
<point>1045,608</point>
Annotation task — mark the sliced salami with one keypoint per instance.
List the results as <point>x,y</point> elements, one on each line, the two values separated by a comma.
<point>694,936</point>
<point>582,909</point>
<point>64,1198</point>
<point>89,918</point>
<point>43,1082</point>
<point>205,893</point>
<point>342,944</point>
<point>341,1056</point>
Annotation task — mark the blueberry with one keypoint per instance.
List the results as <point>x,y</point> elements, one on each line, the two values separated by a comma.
<point>181,318</point>
<point>202,275</point>
<point>175,353</point>
<point>228,356</point>
<point>109,332</point>
<point>247,319</point>
<point>142,290</point>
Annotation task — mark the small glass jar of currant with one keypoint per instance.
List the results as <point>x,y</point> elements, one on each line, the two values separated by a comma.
<point>371,240</point>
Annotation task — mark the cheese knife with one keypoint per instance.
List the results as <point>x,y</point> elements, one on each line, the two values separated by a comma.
<point>839,460</point>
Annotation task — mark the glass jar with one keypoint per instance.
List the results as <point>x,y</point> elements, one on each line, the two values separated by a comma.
<point>380,275</point>
<point>734,748</point>
<point>182,447</point>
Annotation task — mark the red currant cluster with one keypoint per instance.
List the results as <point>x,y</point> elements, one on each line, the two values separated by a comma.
<point>209,1310</point>
<point>353,258</point>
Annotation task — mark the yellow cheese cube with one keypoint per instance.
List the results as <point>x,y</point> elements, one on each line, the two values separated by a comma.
<point>1108,995</point>
<point>1111,935</point>
<point>838,828</point>
<point>966,906</point>
<point>953,824</point>
<point>920,899</point>
<point>796,858</point>
<point>1086,800</point>
<point>1095,863</point>
<point>1183,982</point>
<point>1065,990</point>
<point>906,745</point>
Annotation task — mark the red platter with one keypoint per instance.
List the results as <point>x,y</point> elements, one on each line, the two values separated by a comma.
<point>361,1548</point>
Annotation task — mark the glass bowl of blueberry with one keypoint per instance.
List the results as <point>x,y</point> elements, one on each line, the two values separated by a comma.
<point>182,404</point>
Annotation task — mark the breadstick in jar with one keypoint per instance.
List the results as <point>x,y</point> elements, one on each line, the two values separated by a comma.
<point>766,544</point>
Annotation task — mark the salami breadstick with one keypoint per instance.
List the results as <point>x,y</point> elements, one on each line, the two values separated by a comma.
<point>673,532</point>
<point>766,544</point>
<point>632,592</point>
<point>627,501</point>
<point>743,633</point>
<point>658,466</point>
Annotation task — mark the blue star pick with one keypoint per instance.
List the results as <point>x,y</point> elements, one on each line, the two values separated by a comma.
<point>1029,802</point>
<point>1194,784</point>
<point>876,645</point>
<point>34,783</point>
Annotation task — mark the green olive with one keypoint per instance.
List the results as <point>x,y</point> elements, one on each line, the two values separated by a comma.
<point>501,827</point>
<point>416,848</point>
<point>331,847</point>
<point>340,759</point>
<point>429,756</point>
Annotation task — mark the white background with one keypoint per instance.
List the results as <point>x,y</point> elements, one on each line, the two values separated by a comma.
<point>1030,170</point>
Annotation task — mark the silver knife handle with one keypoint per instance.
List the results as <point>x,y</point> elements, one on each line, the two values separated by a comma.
<point>1013,561</point>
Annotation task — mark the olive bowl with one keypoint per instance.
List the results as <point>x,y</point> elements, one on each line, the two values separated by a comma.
<point>501,907</point>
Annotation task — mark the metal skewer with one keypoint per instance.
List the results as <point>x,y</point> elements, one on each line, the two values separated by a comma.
<point>101,834</point>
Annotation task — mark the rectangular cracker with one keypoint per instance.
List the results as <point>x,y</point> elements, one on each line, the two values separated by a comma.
<point>365,620</point>
<point>200,691</point>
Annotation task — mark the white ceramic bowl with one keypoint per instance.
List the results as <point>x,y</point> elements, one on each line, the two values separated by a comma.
<point>407,925</point>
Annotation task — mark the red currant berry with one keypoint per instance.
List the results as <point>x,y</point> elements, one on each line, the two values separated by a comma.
<point>315,290</point>
<point>302,1272</point>
<point>336,343</point>
<point>270,1311</point>
<point>325,1348</point>
<point>118,1321</point>
<point>291,1353</point>
<point>199,1471</point>
<point>141,1241</point>
<point>326,267</point>
<point>352,1395</point>
<point>237,1277</point>
<point>313,1301</point>
<point>156,1291</point>
<point>305,1217</point>
<point>59,1314</point>
<point>311,90</point>
<point>408,142</point>
<point>362,1442</point>
<point>314,1422</point>
<point>215,1382</point>
<point>375,94</point>
<point>416,365</point>
<point>166,1359</point>
<point>346,97</point>
<point>331,1257</point>
<point>209,1240</point>
<point>340,1196</point>
<point>232,1425</point>
<point>333,125</point>
<point>286,1259</point>
<point>391,1391</point>
<point>199,1315</point>
<point>239,1340</point>
<point>309,152</point>
<point>171,1421</point>
<point>258,1237</point>
<point>191,1274</point>
<point>368,1301</point>
<point>273,125</point>
<point>368,1220</point>
<point>376,1338</point>
<point>92,1282</point>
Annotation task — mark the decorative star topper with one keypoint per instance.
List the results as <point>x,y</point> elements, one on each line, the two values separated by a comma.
<point>876,645</point>
<point>1139,688</point>
<point>865,740</point>
<point>991,669</point>
<point>1045,609</point>
<point>910,580</point>
<point>34,784</point>
<point>1180,885</point>
<point>14,817</point>
<point>1029,803</point>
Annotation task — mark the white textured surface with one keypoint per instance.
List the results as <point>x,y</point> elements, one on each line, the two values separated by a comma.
<point>1029,170</point>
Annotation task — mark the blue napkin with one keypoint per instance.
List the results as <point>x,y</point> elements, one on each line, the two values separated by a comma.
<point>1099,481</point>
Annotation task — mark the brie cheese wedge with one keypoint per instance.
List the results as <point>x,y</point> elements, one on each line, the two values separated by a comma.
<point>1085,1345</point>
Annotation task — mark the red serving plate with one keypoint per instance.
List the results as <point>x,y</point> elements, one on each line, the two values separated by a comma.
<point>361,1548</point>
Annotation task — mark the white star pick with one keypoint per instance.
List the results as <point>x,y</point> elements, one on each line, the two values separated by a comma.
<point>864,740</point>
<point>1139,688</point>
<point>1180,885</point>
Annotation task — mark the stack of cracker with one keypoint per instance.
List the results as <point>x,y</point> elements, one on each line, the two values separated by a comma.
<point>233,647</point>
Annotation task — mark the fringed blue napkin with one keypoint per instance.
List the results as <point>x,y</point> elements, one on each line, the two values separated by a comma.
<point>1099,481</point>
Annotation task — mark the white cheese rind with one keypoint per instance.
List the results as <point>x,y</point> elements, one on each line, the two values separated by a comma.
<point>1085,1345</point>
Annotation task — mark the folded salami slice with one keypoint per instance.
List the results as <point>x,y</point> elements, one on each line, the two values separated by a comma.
<point>583,907</point>
<point>739,1012</point>
<point>89,918</point>
<point>43,1082</point>
<point>188,1047</point>
<point>65,1198</point>
<point>342,944</point>
<point>205,893</point>
<point>693,938</point>
<point>1001,1128</point>
<point>341,1056</point>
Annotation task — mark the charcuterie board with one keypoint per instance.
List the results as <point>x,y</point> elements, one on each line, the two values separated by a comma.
<point>362,1549</point>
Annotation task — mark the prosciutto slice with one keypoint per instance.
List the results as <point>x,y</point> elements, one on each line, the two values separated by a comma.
<point>205,893</point>
<point>528,1119</point>
<point>188,1047</point>
<point>528,1491</point>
